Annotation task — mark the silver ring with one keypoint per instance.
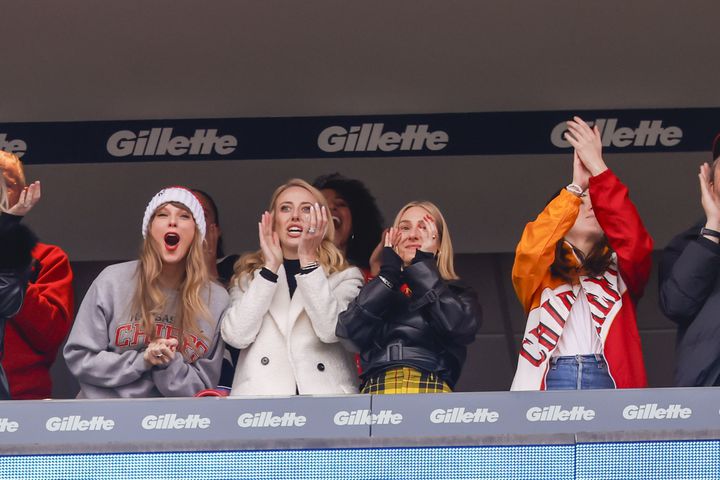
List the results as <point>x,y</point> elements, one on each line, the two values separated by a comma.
<point>158,355</point>
<point>311,230</point>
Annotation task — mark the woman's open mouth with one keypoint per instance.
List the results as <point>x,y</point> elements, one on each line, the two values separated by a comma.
<point>294,231</point>
<point>172,240</point>
<point>336,220</point>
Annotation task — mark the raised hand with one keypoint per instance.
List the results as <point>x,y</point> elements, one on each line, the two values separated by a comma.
<point>314,230</point>
<point>269,243</point>
<point>29,197</point>
<point>429,236</point>
<point>581,175</point>
<point>376,255</point>
<point>392,237</point>
<point>390,261</point>
<point>709,198</point>
<point>160,351</point>
<point>587,144</point>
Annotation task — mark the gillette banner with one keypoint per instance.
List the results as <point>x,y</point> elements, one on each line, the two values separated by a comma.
<point>445,134</point>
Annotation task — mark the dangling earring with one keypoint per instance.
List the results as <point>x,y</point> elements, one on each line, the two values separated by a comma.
<point>352,236</point>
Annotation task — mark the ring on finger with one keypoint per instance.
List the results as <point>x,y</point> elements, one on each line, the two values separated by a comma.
<point>311,230</point>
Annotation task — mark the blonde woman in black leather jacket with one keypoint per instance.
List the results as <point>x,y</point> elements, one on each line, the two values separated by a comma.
<point>412,323</point>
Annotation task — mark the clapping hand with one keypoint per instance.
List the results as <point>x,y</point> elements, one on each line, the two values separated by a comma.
<point>29,197</point>
<point>314,230</point>
<point>709,198</point>
<point>160,351</point>
<point>581,175</point>
<point>385,241</point>
<point>588,145</point>
<point>269,243</point>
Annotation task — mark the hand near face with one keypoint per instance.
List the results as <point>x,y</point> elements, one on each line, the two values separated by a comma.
<point>429,236</point>
<point>375,256</point>
<point>588,145</point>
<point>160,351</point>
<point>392,237</point>
<point>314,230</point>
<point>269,243</point>
<point>709,198</point>
<point>29,197</point>
<point>581,175</point>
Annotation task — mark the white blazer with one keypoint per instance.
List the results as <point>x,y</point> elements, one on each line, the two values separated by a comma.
<point>287,343</point>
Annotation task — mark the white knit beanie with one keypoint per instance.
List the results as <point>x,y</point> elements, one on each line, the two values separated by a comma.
<point>179,195</point>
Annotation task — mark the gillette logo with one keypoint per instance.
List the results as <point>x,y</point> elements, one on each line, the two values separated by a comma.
<point>75,423</point>
<point>370,137</point>
<point>555,413</point>
<point>171,421</point>
<point>17,146</point>
<point>460,415</point>
<point>647,134</point>
<point>268,420</point>
<point>651,411</point>
<point>365,417</point>
<point>161,141</point>
<point>7,425</point>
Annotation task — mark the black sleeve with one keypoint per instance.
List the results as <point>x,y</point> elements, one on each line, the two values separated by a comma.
<point>16,244</point>
<point>7,221</point>
<point>359,324</point>
<point>688,271</point>
<point>452,310</point>
<point>12,293</point>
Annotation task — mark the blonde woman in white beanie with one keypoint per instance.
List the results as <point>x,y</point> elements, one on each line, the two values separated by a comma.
<point>149,328</point>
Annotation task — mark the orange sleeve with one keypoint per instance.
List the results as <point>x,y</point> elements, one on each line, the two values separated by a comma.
<point>536,251</point>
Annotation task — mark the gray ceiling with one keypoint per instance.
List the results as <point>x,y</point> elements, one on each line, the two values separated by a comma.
<point>131,59</point>
<point>91,60</point>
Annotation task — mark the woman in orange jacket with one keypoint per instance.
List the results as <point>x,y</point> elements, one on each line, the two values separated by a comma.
<point>579,270</point>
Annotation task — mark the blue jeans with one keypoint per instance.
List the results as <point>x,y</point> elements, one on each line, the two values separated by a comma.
<point>578,372</point>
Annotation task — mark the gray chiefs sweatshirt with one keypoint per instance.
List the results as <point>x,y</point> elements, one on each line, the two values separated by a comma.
<point>107,342</point>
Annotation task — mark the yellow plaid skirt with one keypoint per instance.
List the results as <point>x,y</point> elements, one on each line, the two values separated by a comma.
<point>404,380</point>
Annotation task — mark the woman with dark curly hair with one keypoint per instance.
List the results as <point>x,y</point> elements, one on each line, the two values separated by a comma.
<point>356,217</point>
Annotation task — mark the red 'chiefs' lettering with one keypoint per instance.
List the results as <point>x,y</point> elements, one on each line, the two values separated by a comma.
<point>594,301</point>
<point>527,355</point>
<point>547,337</point>
<point>132,335</point>
<point>567,298</point>
<point>193,347</point>
<point>547,306</point>
<point>603,283</point>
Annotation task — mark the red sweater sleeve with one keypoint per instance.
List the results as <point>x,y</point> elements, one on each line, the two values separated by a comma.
<point>624,229</point>
<point>46,315</point>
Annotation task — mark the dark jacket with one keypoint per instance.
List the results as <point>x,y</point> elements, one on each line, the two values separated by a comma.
<point>427,330</point>
<point>690,297</point>
<point>16,244</point>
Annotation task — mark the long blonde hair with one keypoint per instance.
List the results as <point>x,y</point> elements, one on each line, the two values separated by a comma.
<point>3,193</point>
<point>150,300</point>
<point>445,261</point>
<point>9,160</point>
<point>330,258</point>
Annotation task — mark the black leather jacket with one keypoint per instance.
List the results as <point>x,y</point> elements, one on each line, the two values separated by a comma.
<point>428,330</point>
<point>16,243</point>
